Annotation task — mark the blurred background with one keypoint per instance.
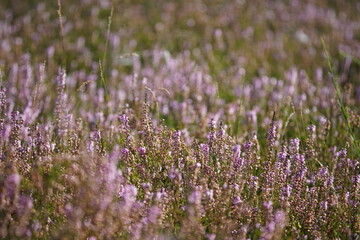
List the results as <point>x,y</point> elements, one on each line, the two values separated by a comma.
<point>230,56</point>
<point>268,36</point>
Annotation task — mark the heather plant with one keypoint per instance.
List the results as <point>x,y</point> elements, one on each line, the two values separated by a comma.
<point>179,119</point>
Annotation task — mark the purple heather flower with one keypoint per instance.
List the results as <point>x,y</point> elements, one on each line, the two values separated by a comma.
<point>128,192</point>
<point>2,99</point>
<point>268,205</point>
<point>342,153</point>
<point>142,151</point>
<point>205,149</point>
<point>236,201</point>
<point>154,213</point>
<point>211,236</point>
<point>294,146</point>
<point>251,117</point>
<point>324,171</point>
<point>95,135</point>
<point>125,152</point>
<point>210,194</point>
<point>248,146</point>
<point>286,191</point>
<point>239,163</point>
<point>124,119</point>
<point>176,135</point>
<point>280,218</point>
<point>174,173</point>
<point>298,159</point>
<point>195,197</point>
<point>61,79</point>
<point>311,129</point>
<point>25,204</point>
<point>12,183</point>
<point>271,135</point>
<point>236,149</point>
<point>253,182</point>
<point>324,205</point>
<point>282,156</point>
<point>68,209</point>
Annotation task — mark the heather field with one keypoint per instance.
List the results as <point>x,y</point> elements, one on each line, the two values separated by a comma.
<point>179,119</point>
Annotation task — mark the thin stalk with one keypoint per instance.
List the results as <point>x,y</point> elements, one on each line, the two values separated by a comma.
<point>334,78</point>
<point>103,81</point>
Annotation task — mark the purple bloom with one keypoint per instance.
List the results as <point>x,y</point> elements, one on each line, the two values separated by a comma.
<point>271,135</point>
<point>12,183</point>
<point>142,151</point>
<point>236,149</point>
<point>125,152</point>
<point>195,197</point>
<point>205,149</point>
<point>294,146</point>
<point>124,119</point>
<point>176,135</point>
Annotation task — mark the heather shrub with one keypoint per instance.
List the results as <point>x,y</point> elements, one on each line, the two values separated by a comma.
<point>179,120</point>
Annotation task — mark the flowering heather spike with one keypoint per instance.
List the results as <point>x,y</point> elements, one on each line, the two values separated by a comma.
<point>142,151</point>
<point>12,184</point>
<point>124,120</point>
<point>2,101</point>
<point>294,146</point>
<point>16,124</point>
<point>60,108</point>
<point>211,131</point>
<point>271,136</point>
<point>2,108</point>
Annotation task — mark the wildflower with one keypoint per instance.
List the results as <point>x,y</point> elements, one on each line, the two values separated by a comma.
<point>294,146</point>
<point>195,197</point>
<point>142,151</point>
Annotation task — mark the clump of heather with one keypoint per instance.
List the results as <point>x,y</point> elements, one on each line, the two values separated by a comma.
<point>179,120</point>
<point>150,183</point>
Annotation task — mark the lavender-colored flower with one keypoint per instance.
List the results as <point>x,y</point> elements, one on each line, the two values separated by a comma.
<point>2,100</point>
<point>324,205</point>
<point>251,117</point>
<point>286,191</point>
<point>195,197</point>
<point>142,151</point>
<point>211,236</point>
<point>254,183</point>
<point>210,194</point>
<point>268,205</point>
<point>61,80</point>
<point>294,146</point>
<point>128,192</point>
<point>280,218</point>
<point>12,183</point>
<point>123,118</point>
<point>236,201</point>
<point>311,130</point>
<point>95,135</point>
<point>248,146</point>
<point>271,135</point>
<point>282,156</point>
<point>154,213</point>
<point>239,163</point>
<point>176,135</point>
<point>236,149</point>
<point>125,152</point>
<point>342,153</point>
<point>205,149</point>
<point>25,204</point>
<point>174,173</point>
